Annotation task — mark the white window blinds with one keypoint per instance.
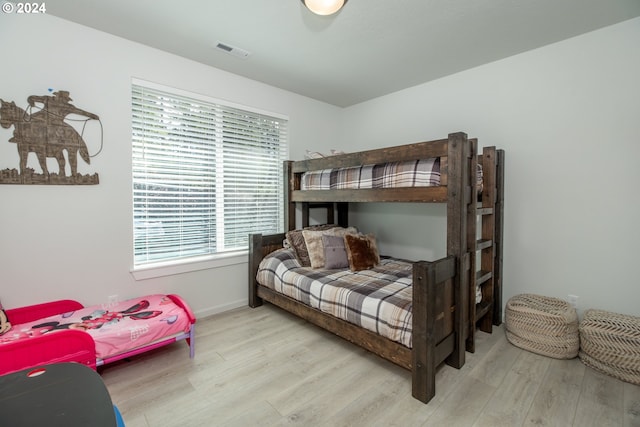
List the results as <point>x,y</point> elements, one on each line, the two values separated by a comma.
<point>205,175</point>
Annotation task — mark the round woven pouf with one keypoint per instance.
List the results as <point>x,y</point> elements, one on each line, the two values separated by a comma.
<point>542,325</point>
<point>610,343</point>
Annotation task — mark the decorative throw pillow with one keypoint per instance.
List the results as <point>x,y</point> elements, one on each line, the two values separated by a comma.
<point>313,239</point>
<point>5,325</point>
<point>340,231</point>
<point>335,253</point>
<point>315,248</point>
<point>296,240</point>
<point>362,251</point>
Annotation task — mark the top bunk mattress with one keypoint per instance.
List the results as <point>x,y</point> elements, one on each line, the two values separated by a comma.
<point>407,174</point>
<point>413,173</point>
<point>116,328</point>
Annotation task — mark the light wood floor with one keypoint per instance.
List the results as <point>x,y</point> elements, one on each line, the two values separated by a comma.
<point>264,367</point>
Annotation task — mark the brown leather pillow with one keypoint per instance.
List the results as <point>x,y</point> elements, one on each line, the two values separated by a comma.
<point>362,251</point>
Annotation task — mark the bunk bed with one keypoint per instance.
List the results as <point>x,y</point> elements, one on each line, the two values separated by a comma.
<point>444,312</point>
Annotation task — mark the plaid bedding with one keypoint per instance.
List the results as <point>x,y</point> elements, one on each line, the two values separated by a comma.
<point>414,173</point>
<point>378,299</point>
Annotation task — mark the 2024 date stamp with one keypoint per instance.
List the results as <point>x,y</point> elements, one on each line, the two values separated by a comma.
<point>24,8</point>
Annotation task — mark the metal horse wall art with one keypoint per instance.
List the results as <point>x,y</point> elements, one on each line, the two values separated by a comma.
<point>46,134</point>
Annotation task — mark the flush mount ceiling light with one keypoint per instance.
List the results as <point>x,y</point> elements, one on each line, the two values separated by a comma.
<point>324,7</point>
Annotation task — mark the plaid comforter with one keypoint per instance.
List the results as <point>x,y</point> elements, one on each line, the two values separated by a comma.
<point>414,173</point>
<point>378,299</point>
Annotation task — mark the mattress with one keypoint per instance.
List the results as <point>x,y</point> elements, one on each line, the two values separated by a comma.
<point>379,299</point>
<point>414,173</point>
<point>115,328</point>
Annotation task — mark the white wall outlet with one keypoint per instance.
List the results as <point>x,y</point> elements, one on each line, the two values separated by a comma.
<point>113,299</point>
<point>573,300</point>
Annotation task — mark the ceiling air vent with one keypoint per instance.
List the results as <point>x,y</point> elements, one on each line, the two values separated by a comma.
<point>232,50</point>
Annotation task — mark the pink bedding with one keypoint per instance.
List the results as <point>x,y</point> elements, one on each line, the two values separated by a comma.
<point>117,328</point>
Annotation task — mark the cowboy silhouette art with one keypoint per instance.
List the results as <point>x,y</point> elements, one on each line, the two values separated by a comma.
<point>45,132</point>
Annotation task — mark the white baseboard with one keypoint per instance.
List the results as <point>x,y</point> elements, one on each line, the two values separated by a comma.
<point>221,308</point>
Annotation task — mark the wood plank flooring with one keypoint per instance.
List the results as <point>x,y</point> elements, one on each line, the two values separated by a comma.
<point>264,367</point>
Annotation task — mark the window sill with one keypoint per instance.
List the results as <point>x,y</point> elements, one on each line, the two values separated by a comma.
<point>187,266</point>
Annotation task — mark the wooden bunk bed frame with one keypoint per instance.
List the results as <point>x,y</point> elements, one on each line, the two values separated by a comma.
<point>444,312</point>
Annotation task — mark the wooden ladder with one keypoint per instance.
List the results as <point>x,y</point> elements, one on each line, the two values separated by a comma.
<point>487,247</point>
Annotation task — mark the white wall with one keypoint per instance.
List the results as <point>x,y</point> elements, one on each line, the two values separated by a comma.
<point>76,241</point>
<point>568,117</point>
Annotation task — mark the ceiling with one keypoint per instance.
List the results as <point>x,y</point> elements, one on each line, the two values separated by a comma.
<point>369,49</point>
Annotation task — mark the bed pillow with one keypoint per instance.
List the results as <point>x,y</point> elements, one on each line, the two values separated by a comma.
<point>362,251</point>
<point>313,239</point>
<point>335,253</point>
<point>296,241</point>
<point>5,325</point>
<point>315,248</point>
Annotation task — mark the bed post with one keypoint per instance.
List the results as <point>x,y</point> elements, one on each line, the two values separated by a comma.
<point>255,256</point>
<point>423,356</point>
<point>458,194</point>
<point>432,341</point>
<point>260,245</point>
<point>289,206</point>
<point>484,317</point>
<point>499,218</point>
<point>472,239</point>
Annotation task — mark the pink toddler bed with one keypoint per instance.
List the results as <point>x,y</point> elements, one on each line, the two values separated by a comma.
<point>93,335</point>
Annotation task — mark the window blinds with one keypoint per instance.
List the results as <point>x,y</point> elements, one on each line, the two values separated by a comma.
<point>205,175</point>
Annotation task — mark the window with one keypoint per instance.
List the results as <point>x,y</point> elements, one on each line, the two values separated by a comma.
<point>205,175</point>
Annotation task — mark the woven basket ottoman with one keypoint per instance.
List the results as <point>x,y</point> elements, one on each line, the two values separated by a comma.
<point>542,325</point>
<point>610,343</point>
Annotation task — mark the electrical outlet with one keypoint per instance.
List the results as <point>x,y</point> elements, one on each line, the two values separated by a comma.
<point>113,299</point>
<point>573,300</point>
